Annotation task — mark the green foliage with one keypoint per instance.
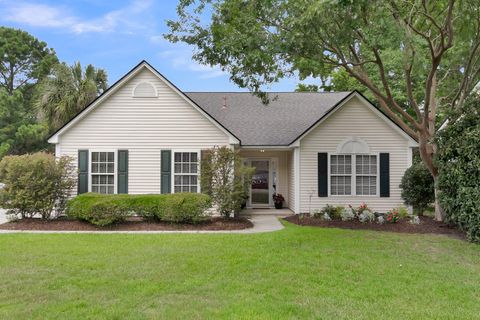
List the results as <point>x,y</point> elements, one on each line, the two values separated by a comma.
<point>333,212</point>
<point>226,179</point>
<point>24,59</point>
<point>35,184</point>
<point>261,42</point>
<point>459,169</point>
<point>103,210</point>
<point>418,187</point>
<point>100,210</point>
<point>67,91</point>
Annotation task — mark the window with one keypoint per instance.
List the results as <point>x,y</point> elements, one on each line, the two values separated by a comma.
<point>103,172</point>
<point>185,168</point>
<point>366,175</point>
<point>341,174</point>
<point>353,175</point>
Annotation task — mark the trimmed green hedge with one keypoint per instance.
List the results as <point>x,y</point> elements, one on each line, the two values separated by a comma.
<point>104,210</point>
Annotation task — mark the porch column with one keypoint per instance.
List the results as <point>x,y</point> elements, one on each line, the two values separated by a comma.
<point>296,174</point>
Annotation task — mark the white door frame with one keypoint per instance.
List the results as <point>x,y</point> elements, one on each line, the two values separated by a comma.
<point>270,181</point>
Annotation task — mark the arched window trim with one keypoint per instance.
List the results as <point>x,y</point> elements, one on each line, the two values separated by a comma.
<point>145,82</point>
<point>353,145</point>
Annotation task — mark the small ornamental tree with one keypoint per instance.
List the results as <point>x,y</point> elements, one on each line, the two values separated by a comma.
<point>225,179</point>
<point>35,184</point>
<point>418,188</point>
<point>459,164</point>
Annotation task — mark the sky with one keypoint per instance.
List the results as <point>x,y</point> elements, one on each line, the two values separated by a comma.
<point>116,35</point>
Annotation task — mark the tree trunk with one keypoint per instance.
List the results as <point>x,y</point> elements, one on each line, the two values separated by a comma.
<point>439,213</point>
<point>427,153</point>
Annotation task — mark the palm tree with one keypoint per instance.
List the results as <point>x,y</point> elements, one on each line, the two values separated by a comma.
<point>67,91</point>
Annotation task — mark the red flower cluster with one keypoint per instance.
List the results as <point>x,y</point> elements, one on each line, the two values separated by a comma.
<point>392,216</point>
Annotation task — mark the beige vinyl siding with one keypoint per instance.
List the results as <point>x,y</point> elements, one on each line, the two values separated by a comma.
<point>144,126</point>
<point>282,165</point>
<point>357,120</point>
<point>291,180</point>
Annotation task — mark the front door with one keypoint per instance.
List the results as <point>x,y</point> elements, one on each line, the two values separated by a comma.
<point>260,192</point>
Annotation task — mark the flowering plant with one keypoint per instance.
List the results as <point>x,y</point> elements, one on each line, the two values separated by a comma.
<point>277,197</point>
<point>347,214</point>
<point>392,216</point>
<point>363,208</point>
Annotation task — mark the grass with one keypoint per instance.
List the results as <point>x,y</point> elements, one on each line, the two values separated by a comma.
<point>299,272</point>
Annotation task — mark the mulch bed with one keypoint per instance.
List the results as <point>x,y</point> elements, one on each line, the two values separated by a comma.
<point>427,225</point>
<point>65,224</point>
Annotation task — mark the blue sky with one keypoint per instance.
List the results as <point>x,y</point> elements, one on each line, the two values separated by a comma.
<point>116,35</point>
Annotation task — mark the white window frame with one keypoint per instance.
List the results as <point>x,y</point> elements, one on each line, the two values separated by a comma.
<point>354,174</point>
<point>115,165</point>
<point>198,152</point>
<point>351,175</point>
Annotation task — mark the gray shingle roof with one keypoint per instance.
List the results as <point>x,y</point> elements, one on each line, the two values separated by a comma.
<point>280,122</point>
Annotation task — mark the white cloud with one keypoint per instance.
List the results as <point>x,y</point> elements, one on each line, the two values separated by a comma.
<point>181,58</point>
<point>48,16</point>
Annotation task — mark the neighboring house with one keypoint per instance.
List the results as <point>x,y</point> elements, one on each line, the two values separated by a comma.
<point>144,135</point>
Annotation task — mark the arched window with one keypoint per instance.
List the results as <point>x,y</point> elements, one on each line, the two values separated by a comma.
<point>144,90</point>
<point>353,169</point>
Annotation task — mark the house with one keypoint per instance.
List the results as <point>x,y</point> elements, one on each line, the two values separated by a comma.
<point>144,135</point>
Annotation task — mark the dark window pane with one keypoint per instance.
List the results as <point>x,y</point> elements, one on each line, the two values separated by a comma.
<point>103,156</point>
<point>193,189</point>
<point>103,189</point>
<point>103,168</point>
<point>185,168</point>
<point>111,179</point>
<point>110,157</point>
<point>94,156</point>
<point>193,157</point>
<point>110,190</point>
<point>110,168</point>
<point>186,157</point>
<point>178,180</point>
<point>178,189</point>
<point>193,168</point>
<point>185,180</point>
<point>185,189</point>
<point>178,157</point>
<point>178,168</point>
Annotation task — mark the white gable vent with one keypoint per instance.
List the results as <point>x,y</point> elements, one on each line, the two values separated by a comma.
<point>144,90</point>
<point>353,145</point>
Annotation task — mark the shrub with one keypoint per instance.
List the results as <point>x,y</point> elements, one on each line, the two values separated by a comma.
<point>332,211</point>
<point>415,220</point>
<point>105,210</point>
<point>184,207</point>
<point>458,160</point>
<point>363,208</point>
<point>392,216</point>
<point>35,184</point>
<point>326,217</point>
<point>366,216</point>
<point>418,187</point>
<point>100,210</point>
<point>380,220</point>
<point>225,179</point>
<point>348,213</point>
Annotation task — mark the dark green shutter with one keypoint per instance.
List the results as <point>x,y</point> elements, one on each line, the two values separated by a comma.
<point>165,171</point>
<point>322,174</point>
<point>82,184</point>
<point>122,172</point>
<point>384,175</point>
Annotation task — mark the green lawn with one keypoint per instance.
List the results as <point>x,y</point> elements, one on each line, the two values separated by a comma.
<point>294,273</point>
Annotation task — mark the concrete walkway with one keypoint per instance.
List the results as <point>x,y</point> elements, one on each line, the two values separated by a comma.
<point>261,223</point>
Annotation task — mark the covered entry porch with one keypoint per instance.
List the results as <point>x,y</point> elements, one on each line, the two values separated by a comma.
<point>274,174</point>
